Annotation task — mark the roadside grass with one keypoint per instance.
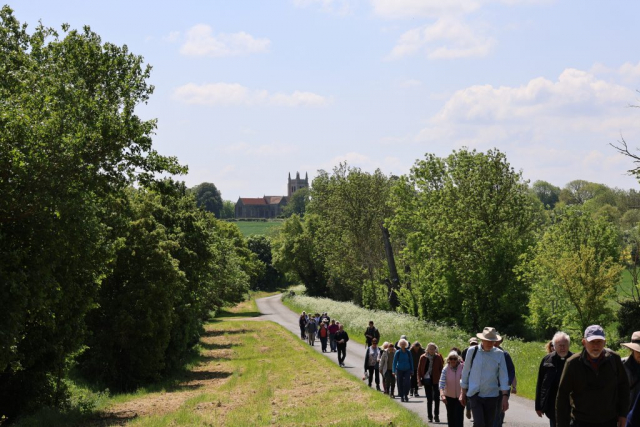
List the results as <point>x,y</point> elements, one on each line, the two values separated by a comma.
<point>90,401</point>
<point>526,355</point>
<point>276,379</point>
<point>258,228</point>
<point>243,372</point>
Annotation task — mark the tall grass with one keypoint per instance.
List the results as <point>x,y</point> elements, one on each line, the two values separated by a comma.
<point>526,355</point>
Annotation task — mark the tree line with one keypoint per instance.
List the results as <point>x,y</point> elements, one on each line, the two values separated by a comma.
<point>104,267</point>
<point>465,240</point>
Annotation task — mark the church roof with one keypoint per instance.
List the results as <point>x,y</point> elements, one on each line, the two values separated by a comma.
<point>273,200</point>
<point>253,201</point>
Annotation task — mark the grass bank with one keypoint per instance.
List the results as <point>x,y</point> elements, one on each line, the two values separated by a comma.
<point>247,372</point>
<point>526,355</point>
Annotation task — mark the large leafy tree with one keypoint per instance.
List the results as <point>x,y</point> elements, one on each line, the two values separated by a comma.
<point>465,220</point>
<point>297,203</point>
<point>208,197</point>
<point>577,263</point>
<point>70,143</point>
<point>353,206</point>
<point>548,193</point>
<point>296,252</point>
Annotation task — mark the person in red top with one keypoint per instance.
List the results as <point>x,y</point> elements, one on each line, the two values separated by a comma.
<point>333,330</point>
<point>323,334</point>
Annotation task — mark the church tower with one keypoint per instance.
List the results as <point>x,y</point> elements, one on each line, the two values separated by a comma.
<point>297,183</point>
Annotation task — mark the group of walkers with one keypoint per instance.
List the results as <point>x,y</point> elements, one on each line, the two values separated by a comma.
<point>328,330</point>
<point>593,388</point>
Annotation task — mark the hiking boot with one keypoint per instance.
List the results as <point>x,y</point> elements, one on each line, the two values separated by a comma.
<point>437,419</point>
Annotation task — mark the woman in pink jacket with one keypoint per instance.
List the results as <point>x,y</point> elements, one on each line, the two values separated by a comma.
<point>450,389</point>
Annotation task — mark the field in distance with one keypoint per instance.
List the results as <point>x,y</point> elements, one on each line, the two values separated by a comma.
<point>258,228</point>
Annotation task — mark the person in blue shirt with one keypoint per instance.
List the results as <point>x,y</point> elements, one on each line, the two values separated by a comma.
<point>402,369</point>
<point>485,380</point>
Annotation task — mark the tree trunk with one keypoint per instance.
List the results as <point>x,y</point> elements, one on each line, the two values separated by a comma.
<point>394,283</point>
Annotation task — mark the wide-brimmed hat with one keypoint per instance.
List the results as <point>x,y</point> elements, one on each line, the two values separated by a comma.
<point>635,342</point>
<point>489,334</point>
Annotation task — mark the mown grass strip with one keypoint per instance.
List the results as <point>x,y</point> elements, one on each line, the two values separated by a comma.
<point>278,380</point>
<point>526,355</point>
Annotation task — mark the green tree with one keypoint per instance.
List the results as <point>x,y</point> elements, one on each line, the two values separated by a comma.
<point>547,193</point>
<point>465,221</point>
<point>228,210</point>
<point>297,254</point>
<point>209,198</point>
<point>70,143</point>
<point>353,206</point>
<point>578,259</point>
<point>297,203</point>
<point>271,278</point>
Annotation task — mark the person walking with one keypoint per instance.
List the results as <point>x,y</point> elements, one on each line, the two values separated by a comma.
<point>402,368</point>
<point>632,365</point>
<point>511,373</point>
<point>323,334</point>
<point>397,344</point>
<point>381,365</point>
<point>449,386</point>
<point>341,343</point>
<point>333,329</point>
<point>549,377</point>
<point>485,380</point>
<point>416,351</point>
<point>386,368</point>
<point>549,347</point>
<point>311,330</point>
<point>594,388</point>
<point>302,321</point>
<point>473,341</point>
<point>370,333</point>
<point>371,363</point>
<point>432,364</point>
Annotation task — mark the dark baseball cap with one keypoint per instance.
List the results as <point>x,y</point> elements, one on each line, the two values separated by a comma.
<point>594,332</point>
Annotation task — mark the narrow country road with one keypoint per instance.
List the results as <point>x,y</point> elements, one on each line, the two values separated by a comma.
<point>521,412</point>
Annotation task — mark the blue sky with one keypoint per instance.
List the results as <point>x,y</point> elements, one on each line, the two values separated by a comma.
<point>248,91</point>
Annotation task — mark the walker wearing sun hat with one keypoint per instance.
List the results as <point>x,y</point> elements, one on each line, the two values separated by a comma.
<point>632,367</point>
<point>635,342</point>
<point>489,334</point>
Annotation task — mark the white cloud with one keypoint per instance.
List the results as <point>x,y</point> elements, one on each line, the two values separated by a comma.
<point>236,94</point>
<point>447,38</point>
<point>340,7</point>
<point>200,41</point>
<point>396,9</point>
<point>550,128</point>
<point>172,37</point>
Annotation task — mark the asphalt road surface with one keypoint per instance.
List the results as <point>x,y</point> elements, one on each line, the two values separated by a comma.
<point>521,411</point>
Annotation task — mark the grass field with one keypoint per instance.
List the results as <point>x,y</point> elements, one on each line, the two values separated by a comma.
<point>526,355</point>
<point>260,228</point>
<point>246,373</point>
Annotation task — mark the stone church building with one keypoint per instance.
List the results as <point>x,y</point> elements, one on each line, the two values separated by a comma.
<point>269,206</point>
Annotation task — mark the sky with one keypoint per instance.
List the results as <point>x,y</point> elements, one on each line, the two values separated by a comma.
<point>248,91</point>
